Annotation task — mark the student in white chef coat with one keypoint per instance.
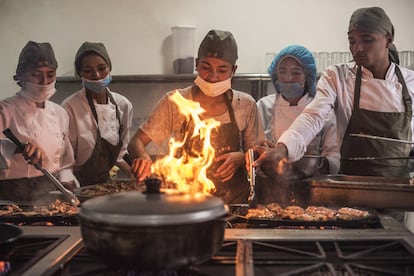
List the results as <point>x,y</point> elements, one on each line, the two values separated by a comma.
<point>100,119</point>
<point>371,95</point>
<point>293,73</point>
<point>40,124</point>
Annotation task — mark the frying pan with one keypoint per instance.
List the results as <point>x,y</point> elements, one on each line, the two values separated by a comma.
<point>9,234</point>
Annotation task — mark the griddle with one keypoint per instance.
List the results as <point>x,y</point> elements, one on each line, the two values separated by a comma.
<point>20,219</point>
<point>240,211</point>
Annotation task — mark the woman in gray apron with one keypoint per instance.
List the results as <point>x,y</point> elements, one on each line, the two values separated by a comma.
<point>240,127</point>
<point>99,118</point>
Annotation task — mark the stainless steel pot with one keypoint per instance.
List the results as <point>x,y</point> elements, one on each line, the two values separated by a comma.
<point>153,229</point>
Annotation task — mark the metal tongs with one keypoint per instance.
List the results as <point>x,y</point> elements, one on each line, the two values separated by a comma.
<point>73,200</point>
<point>381,138</point>
<point>251,177</point>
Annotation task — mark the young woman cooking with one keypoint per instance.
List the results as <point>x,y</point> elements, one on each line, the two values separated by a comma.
<point>42,125</point>
<point>240,127</point>
<point>99,118</point>
<point>293,73</point>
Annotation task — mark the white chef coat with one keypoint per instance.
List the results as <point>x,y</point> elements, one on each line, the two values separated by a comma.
<point>83,126</point>
<point>277,115</point>
<point>46,128</point>
<point>336,89</point>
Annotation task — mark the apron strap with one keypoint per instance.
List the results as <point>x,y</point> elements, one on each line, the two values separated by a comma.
<point>357,90</point>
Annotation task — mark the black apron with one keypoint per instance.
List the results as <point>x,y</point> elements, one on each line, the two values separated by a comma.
<point>395,125</point>
<point>104,155</point>
<point>224,140</point>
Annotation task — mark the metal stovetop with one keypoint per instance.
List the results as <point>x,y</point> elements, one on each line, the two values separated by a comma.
<point>392,230</point>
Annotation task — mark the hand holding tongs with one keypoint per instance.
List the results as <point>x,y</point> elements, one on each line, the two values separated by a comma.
<point>68,194</point>
<point>251,176</point>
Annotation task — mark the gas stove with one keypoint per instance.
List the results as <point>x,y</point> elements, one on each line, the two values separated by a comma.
<point>388,250</point>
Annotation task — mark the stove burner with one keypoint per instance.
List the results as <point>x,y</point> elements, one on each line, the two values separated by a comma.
<point>27,251</point>
<point>85,264</point>
<point>372,257</point>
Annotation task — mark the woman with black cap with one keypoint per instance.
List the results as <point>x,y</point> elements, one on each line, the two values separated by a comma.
<point>371,95</point>
<point>99,118</point>
<point>293,73</point>
<point>240,127</point>
<point>39,123</point>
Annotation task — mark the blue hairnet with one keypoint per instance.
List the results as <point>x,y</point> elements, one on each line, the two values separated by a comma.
<point>307,61</point>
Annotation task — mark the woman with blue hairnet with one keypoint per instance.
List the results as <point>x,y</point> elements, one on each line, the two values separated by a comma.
<point>293,73</point>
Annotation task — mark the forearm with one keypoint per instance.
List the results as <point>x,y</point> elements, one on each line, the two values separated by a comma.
<point>136,146</point>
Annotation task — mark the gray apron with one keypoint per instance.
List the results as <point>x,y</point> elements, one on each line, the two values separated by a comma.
<point>104,155</point>
<point>395,125</point>
<point>224,140</point>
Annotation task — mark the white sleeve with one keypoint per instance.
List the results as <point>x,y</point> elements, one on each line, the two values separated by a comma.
<point>7,149</point>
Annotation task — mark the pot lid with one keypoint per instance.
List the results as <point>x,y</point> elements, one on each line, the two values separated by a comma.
<point>153,208</point>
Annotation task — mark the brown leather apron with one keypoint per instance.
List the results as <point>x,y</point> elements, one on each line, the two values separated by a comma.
<point>224,140</point>
<point>104,155</point>
<point>395,125</point>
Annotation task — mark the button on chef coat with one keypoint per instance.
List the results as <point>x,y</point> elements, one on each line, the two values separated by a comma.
<point>45,127</point>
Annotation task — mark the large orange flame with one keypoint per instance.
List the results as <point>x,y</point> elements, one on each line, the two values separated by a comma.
<point>188,168</point>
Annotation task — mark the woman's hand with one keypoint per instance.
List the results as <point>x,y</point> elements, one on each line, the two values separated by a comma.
<point>141,167</point>
<point>231,162</point>
<point>33,155</point>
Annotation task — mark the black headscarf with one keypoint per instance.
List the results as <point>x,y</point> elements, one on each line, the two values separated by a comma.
<point>94,47</point>
<point>219,44</point>
<point>35,55</point>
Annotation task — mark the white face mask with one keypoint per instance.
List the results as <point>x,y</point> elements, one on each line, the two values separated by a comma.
<point>213,89</point>
<point>37,92</point>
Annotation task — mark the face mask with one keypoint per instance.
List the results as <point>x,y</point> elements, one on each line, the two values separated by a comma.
<point>213,89</point>
<point>97,86</point>
<point>38,93</point>
<point>290,90</point>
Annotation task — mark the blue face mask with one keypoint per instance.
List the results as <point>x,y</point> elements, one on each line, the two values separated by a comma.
<point>97,86</point>
<point>290,90</point>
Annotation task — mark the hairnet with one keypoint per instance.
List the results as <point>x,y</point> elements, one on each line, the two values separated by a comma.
<point>94,47</point>
<point>35,55</point>
<point>305,58</point>
<point>373,20</point>
<point>219,44</point>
